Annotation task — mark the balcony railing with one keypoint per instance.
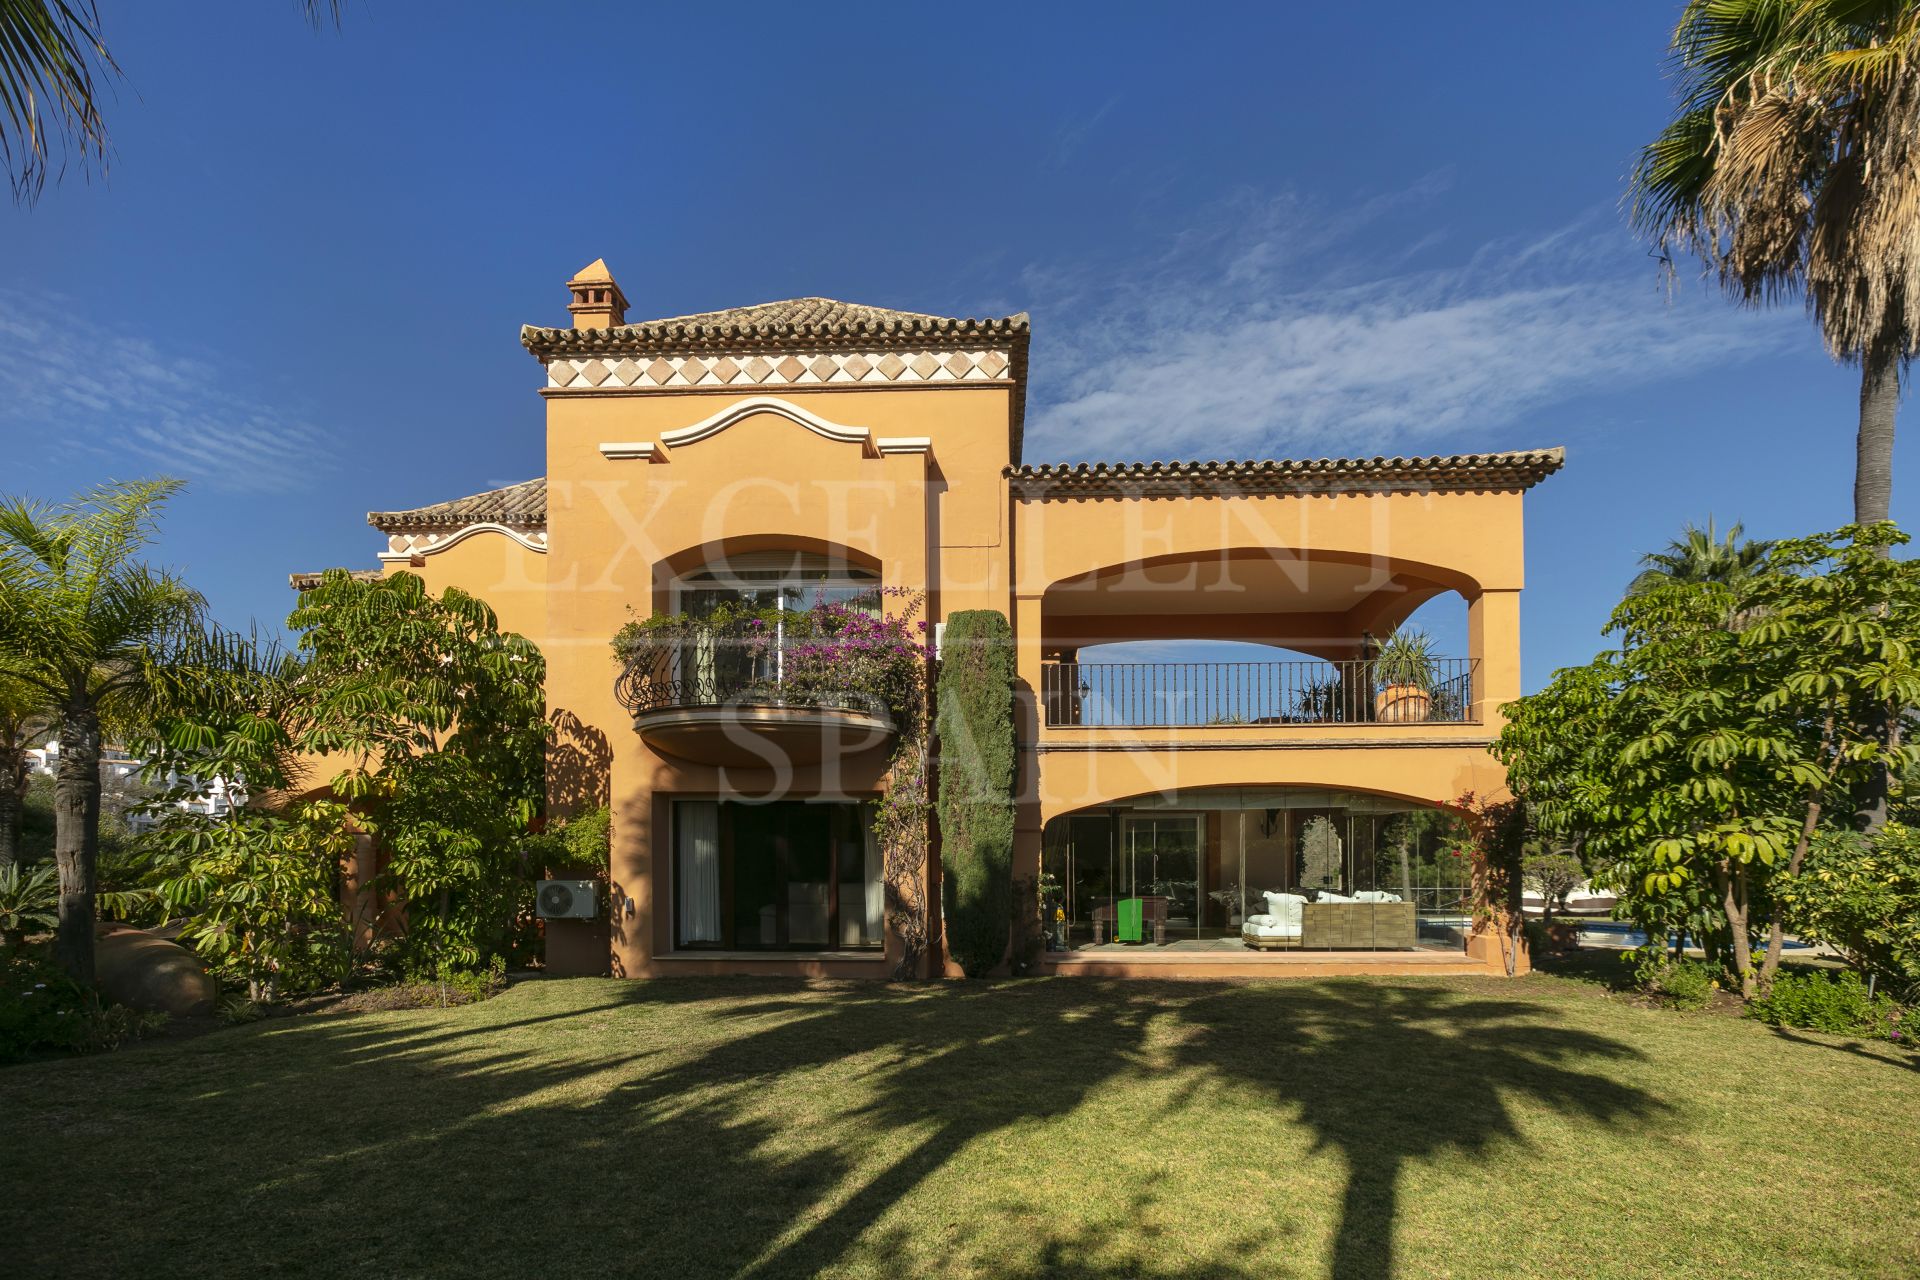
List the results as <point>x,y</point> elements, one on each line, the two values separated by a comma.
<point>741,665</point>
<point>1179,695</point>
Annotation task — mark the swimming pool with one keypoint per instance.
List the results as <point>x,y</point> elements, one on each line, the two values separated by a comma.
<point>1620,933</point>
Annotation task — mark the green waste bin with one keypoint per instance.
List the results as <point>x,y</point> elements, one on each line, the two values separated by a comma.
<point>1131,926</point>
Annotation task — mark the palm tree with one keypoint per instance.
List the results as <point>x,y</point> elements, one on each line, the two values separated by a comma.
<point>1793,165</point>
<point>24,721</point>
<point>1701,555</point>
<point>95,634</point>
<point>53,64</point>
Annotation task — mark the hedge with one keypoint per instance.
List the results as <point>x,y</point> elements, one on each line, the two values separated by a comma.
<point>975,728</point>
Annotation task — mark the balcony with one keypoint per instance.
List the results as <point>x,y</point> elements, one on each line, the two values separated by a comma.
<point>1183,695</point>
<point>744,695</point>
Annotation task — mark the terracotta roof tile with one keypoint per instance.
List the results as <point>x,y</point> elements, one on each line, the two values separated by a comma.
<point>816,319</point>
<point>1453,472</point>
<point>520,506</point>
<point>308,581</point>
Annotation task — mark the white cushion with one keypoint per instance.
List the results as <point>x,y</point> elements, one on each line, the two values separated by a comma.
<point>1268,927</point>
<point>1375,895</point>
<point>1284,910</point>
<point>1329,896</point>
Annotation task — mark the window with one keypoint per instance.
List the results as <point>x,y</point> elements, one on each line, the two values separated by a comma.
<point>789,581</point>
<point>786,875</point>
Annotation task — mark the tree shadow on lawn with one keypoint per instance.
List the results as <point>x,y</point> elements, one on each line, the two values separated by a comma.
<point>765,1128</point>
<point>1900,1055</point>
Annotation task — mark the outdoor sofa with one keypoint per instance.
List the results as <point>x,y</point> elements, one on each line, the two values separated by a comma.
<point>1372,918</point>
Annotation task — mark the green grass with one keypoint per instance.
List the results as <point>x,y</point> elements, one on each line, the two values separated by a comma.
<point>1059,1128</point>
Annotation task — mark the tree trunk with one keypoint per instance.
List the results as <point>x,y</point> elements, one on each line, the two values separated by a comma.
<point>76,837</point>
<point>12,805</point>
<point>1733,899</point>
<point>1873,450</point>
<point>1777,932</point>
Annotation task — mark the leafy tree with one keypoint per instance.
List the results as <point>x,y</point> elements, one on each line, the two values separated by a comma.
<point>1698,759</point>
<point>259,893</point>
<point>1790,166</point>
<point>1553,876</point>
<point>257,887</point>
<point>1701,555</point>
<point>1861,896</point>
<point>974,725</point>
<point>96,634</point>
<point>53,64</point>
<point>441,718</point>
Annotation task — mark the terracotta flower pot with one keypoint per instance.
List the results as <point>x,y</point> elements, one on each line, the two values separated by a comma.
<point>1402,704</point>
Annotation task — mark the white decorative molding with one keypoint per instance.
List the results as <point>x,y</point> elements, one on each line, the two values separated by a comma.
<point>904,444</point>
<point>645,450</point>
<point>405,546</point>
<point>823,368</point>
<point>679,437</point>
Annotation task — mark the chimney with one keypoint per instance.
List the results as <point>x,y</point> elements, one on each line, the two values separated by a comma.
<point>597,300</point>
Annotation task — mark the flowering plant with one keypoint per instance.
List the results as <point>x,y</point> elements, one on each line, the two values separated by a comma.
<point>882,658</point>
<point>834,654</point>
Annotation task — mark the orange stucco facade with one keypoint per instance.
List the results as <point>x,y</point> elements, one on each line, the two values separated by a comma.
<point>891,443</point>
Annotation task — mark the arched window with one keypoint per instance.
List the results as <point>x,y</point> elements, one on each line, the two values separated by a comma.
<point>787,580</point>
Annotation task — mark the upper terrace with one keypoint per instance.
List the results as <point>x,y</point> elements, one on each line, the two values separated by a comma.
<point>1316,560</point>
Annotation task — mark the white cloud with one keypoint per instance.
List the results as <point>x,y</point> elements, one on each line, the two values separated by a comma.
<point>1267,333</point>
<point>145,408</point>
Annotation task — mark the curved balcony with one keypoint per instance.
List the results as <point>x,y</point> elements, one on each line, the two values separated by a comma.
<point>729,695</point>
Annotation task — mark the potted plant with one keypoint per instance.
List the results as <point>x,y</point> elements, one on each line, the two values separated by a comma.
<point>1403,677</point>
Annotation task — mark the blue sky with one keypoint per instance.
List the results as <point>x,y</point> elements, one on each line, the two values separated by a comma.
<point>300,284</point>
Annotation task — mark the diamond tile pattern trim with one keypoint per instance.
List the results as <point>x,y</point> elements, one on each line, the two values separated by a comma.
<point>834,368</point>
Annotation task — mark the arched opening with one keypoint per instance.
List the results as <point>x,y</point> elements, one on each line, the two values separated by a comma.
<point>772,571</point>
<point>732,667</point>
<point>1229,869</point>
<point>1206,682</point>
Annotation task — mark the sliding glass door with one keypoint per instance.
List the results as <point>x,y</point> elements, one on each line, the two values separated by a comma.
<point>1162,868</point>
<point>788,875</point>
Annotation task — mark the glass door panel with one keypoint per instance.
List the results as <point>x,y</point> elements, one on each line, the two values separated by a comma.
<point>758,846</point>
<point>1163,870</point>
<point>809,866</point>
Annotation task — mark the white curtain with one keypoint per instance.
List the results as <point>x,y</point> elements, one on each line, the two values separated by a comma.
<point>697,834</point>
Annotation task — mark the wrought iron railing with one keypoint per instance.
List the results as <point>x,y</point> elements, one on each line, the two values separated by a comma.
<point>696,665</point>
<point>1168,695</point>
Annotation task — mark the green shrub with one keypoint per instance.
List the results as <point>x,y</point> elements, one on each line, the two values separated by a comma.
<point>29,902</point>
<point>1819,1001</point>
<point>1861,896</point>
<point>975,728</point>
<point>236,1009</point>
<point>44,1011</point>
<point>430,991</point>
<point>583,840</point>
<point>1678,984</point>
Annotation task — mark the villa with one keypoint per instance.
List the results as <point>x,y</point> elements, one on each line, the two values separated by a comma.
<point>1175,816</point>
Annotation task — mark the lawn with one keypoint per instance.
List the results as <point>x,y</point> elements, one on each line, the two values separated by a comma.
<point>1061,1128</point>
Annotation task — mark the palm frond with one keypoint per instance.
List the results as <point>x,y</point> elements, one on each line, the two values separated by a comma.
<point>1792,164</point>
<point>51,62</point>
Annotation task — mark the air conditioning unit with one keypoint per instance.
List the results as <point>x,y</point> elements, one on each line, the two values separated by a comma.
<point>567,900</point>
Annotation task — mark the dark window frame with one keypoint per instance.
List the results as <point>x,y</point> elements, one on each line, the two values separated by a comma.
<point>861,815</point>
